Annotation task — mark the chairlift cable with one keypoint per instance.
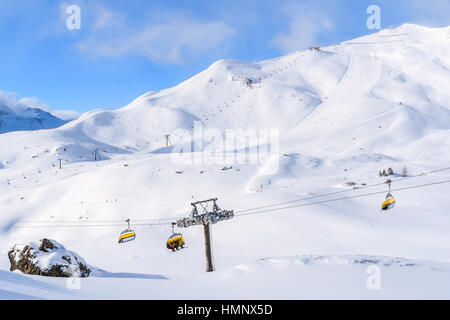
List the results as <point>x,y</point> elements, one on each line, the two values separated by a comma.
<point>339,192</point>
<point>339,199</point>
<point>88,226</point>
<point>237,213</point>
<point>119,222</point>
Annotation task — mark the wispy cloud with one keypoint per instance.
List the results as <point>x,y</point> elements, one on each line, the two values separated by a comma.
<point>306,24</point>
<point>177,38</point>
<point>9,100</point>
<point>95,18</point>
<point>106,18</point>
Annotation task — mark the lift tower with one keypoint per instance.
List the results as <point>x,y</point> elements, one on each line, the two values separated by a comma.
<point>206,218</point>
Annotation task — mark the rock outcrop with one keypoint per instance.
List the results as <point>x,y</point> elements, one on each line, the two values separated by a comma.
<point>47,258</point>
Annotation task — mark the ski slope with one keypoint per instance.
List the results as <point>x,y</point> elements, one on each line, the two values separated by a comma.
<point>344,112</point>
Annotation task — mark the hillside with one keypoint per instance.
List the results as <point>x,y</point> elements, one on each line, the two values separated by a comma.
<point>343,113</point>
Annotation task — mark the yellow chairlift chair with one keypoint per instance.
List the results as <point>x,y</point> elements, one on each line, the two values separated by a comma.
<point>389,203</point>
<point>175,241</point>
<point>127,235</point>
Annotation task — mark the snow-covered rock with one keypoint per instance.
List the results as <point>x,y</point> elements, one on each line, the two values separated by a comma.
<point>47,258</point>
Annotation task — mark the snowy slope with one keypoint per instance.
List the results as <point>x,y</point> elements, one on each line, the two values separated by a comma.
<point>294,277</point>
<point>344,112</point>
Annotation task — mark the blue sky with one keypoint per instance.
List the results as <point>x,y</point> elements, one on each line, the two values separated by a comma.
<point>126,48</point>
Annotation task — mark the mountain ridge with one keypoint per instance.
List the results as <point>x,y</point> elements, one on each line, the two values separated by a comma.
<point>362,85</point>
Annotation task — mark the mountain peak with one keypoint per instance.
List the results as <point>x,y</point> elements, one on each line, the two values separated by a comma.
<point>27,119</point>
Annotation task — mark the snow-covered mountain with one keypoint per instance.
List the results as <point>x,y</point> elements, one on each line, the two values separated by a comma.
<point>27,119</point>
<point>382,91</point>
<point>344,112</point>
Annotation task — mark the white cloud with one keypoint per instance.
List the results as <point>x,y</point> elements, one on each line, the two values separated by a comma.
<point>95,17</point>
<point>105,18</point>
<point>9,100</point>
<point>34,102</point>
<point>176,39</point>
<point>305,26</point>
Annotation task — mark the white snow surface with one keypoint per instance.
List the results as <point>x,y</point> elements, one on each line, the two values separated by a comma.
<point>344,113</point>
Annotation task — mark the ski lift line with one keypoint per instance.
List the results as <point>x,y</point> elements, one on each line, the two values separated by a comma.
<point>249,213</point>
<point>343,198</point>
<point>115,203</point>
<point>100,221</point>
<point>90,226</point>
<point>103,202</point>
<point>242,211</point>
<point>342,191</point>
<point>119,222</point>
<point>224,196</point>
<point>65,226</point>
<point>227,197</point>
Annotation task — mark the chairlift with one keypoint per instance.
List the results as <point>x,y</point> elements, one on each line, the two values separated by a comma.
<point>389,203</point>
<point>175,241</point>
<point>127,235</point>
